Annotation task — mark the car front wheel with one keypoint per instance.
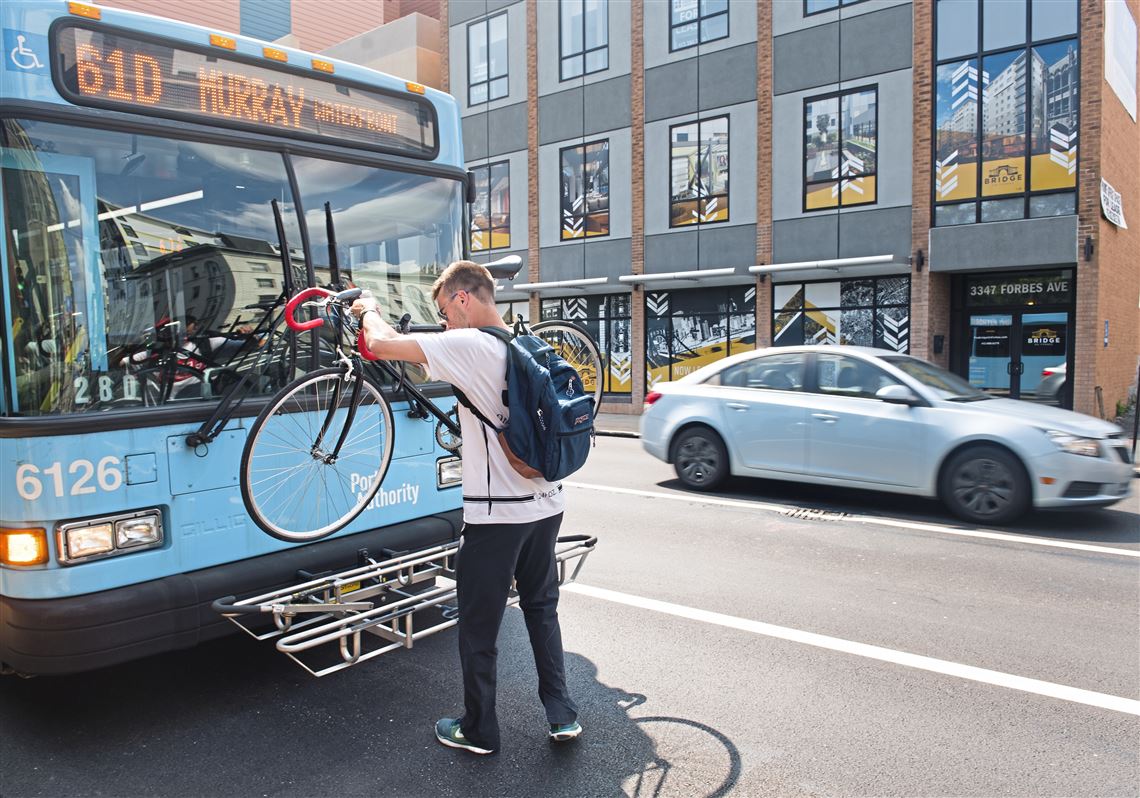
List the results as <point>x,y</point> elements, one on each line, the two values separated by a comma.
<point>985,485</point>
<point>700,459</point>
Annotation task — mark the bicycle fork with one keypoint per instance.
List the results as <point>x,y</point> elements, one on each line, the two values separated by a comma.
<point>355,376</point>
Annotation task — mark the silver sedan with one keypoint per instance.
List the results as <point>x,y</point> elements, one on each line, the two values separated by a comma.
<point>876,419</point>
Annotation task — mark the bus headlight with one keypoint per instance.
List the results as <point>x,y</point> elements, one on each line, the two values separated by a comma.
<point>448,472</point>
<point>96,538</point>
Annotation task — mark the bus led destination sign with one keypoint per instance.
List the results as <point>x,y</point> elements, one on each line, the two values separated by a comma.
<point>123,71</point>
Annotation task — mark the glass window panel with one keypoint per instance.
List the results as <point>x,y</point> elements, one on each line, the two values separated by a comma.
<point>856,292</point>
<point>477,52</point>
<point>714,155</point>
<point>597,167</point>
<point>572,67</point>
<point>950,215</point>
<point>500,206</point>
<point>657,349</point>
<point>788,328</point>
<point>498,89</point>
<point>480,211</point>
<point>714,28</point>
<point>684,171</point>
<point>682,11</point>
<point>815,6</point>
<point>1003,23</point>
<point>478,94</point>
<point>788,296</point>
<point>1056,107</point>
<point>821,295</point>
<point>821,129</point>
<point>1003,124</point>
<point>856,328</point>
<point>134,262</point>
<point>1003,210</point>
<point>892,291</point>
<point>1052,205</point>
<point>892,329</point>
<point>709,7</point>
<point>573,193</point>
<point>597,60</point>
<point>821,326</point>
<point>395,230</point>
<point>1053,18</point>
<point>956,148</point>
<point>597,24</point>
<point>572,27</point>
<point>498,45</point>
<point>684,36</point>
<point>957,28</point>
<point>860,135</point>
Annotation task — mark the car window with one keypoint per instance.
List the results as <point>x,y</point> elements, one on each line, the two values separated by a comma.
<point>782,372</point>
<point>843,375</point>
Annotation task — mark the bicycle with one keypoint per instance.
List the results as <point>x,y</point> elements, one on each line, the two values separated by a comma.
<point>319,450</point>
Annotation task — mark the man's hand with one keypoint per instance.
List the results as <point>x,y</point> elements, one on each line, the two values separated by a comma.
<point>379,336</point>
<point>364,303</point>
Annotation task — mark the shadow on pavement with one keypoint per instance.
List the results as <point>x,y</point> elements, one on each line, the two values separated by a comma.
<point>234,717</point>
<point>1118,524</point>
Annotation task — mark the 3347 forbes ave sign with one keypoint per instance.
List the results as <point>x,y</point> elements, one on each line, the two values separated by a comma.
<point>1041,288</point>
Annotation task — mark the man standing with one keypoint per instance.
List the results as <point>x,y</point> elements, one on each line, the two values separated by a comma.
<point>510,523</point>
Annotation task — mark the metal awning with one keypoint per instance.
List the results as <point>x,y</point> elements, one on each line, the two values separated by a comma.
<point>849,267</point>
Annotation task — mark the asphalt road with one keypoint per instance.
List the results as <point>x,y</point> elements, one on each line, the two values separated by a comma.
<point>718,645</point>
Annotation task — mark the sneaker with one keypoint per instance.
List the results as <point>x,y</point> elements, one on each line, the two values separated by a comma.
<point>448,732</point>
<point>561,732</point>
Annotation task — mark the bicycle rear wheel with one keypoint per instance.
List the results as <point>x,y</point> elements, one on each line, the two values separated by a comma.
<point>577,348</point>
<point>292,487</point>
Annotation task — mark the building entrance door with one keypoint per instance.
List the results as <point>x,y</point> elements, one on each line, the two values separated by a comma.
<point>1021,355</point>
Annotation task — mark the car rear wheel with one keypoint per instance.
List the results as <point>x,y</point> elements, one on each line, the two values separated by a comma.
<point>985,485</point>
<point>700,459</point>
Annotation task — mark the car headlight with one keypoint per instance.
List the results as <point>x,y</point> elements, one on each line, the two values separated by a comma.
<point>1073,444</point>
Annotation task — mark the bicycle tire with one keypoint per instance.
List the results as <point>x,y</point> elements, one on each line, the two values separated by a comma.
<point>161,384</point>
<point>286,486</point>
<point>577,348</point>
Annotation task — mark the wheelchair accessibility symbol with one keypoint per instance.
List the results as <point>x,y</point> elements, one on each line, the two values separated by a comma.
<point>24,58</point>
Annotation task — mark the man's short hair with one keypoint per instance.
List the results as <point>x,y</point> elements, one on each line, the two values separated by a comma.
<point>465,275</point>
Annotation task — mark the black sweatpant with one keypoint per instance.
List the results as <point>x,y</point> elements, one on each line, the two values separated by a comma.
<point>490,556</point>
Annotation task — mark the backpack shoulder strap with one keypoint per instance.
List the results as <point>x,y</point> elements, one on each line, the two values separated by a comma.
<point>505,336</point>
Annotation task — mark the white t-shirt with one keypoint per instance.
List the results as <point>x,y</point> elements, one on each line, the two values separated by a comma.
<point>476,362</point>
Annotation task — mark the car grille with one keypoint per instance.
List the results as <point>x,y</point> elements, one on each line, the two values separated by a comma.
<point>1081,490</point>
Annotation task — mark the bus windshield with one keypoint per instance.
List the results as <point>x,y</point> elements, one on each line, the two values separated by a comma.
<point>127,250</point>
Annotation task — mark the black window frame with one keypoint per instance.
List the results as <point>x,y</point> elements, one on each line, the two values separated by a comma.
<point>585,51</point>
<point>585,214</point>
<point>700,18</point>
<point>979,55</point>
<point>804,183</point>
<point>490,78</point>
<point>728,192</point>
<point>838,4</point>
<point>491,228</point>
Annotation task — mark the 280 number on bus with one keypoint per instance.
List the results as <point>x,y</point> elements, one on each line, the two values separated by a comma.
<point>82,478</point>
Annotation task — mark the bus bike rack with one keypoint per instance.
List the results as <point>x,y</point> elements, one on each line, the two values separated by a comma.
<point>354,615</point>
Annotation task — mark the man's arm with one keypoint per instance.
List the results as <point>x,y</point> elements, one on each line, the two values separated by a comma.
<point>382,339</point>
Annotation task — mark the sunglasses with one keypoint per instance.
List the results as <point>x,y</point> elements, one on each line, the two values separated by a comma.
<point>443,311</point>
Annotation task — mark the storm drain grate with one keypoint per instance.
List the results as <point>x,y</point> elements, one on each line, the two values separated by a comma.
<point>813,514</point>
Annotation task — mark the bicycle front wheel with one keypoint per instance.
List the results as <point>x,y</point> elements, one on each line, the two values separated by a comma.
<point>294,484</point>
<point>576,347</point>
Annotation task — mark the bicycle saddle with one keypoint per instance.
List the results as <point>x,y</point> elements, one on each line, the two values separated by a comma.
<point>504,268</point>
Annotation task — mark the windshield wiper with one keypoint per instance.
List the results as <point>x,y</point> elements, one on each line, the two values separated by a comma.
<point>977,398</point>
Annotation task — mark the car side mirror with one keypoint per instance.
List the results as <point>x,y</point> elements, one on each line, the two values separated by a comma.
<point>898,395</point>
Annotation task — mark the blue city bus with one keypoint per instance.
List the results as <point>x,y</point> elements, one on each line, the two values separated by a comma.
<point>141,162</point>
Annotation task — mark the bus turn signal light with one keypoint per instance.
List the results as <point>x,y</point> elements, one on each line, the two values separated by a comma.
<point>415,88</point>
<point>323,66</point>
<point>84,10</point>
<point>223,41</point>
<point>275,54</point>
<point>23,546</point>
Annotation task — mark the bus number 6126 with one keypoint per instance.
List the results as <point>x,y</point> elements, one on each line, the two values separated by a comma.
<point>107,475</point>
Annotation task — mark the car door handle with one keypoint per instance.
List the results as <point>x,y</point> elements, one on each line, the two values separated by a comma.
<point>737,406</point>
<point>826,418</point>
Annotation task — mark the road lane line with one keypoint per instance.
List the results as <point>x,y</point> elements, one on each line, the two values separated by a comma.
<point>969,672</point>
<point>864,519</point>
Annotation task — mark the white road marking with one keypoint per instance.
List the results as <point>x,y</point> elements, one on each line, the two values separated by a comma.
<point>969,672</point>
<point>864,519</point>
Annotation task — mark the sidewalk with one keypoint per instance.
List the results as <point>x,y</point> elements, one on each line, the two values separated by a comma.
<point>618,425</point>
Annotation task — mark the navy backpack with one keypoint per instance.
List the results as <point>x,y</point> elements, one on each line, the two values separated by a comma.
<point>551,424</point>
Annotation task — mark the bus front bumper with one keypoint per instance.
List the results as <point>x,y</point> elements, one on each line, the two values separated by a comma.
<point>82,633</point>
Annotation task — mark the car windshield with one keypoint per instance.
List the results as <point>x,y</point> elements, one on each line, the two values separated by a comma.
<point>948,386</point>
